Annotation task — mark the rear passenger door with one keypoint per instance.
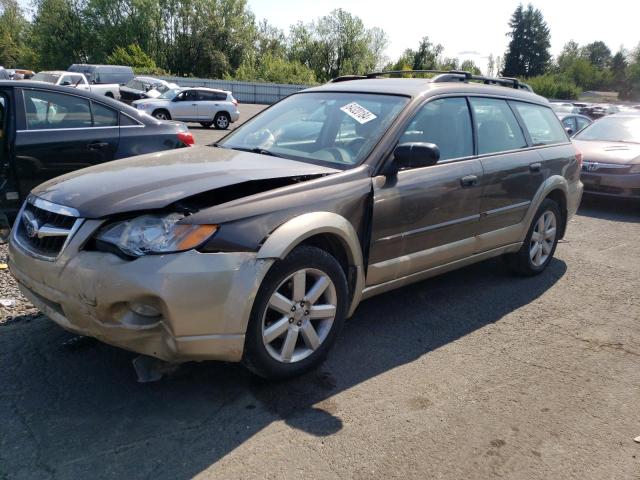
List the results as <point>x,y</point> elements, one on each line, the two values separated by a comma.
<point>425,217</point>
<point>209,103</point>
<point>512,172</point>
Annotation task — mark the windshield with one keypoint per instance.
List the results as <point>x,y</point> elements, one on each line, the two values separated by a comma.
<point>336,129</point>
<point>46,77</point>
<point>170,94</point>
<point>613,129</point>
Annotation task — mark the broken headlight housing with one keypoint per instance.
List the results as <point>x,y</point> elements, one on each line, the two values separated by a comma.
<point>153,234</point>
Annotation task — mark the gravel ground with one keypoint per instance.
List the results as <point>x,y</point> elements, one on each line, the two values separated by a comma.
<point>10,291</point>
<point>472,375</point>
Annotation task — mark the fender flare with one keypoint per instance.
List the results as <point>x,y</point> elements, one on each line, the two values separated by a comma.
<point>295,231</point>
<point>554,182</point>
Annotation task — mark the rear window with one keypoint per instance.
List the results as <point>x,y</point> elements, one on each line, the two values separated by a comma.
<point>541,123</point>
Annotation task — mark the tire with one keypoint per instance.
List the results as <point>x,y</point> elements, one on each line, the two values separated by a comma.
<point>272,330</point>
<point>206,124</point>
<point>161,115</point>
<point>221,121</point>
<point>537,251</point>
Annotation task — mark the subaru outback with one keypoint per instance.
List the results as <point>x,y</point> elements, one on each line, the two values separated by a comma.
<point>257,248</point>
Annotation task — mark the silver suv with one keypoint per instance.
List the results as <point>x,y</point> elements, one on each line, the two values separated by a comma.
<point>256,249</point>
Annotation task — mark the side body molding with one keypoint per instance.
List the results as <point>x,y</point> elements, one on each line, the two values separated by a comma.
<point>293,232</point>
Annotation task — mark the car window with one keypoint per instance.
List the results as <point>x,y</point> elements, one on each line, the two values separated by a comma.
<point>127,121</point>
<point>190,96</point>
<point>104,116</point>
<point>541,123</point>
<point>205,95</point>
<point>55,110</point>
<point>2,116</point>
<point>338,129</point>
<point>569,122</point>
<point>445,122</point>
<point>498,129</point>
<point>582,122</point>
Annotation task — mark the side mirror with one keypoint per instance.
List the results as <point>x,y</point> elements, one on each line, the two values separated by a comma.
<point>66,83</point>
<point>415,155</point>
<point>569,130</point>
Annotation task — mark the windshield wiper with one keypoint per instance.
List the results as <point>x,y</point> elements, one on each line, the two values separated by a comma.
<point>261,151</point>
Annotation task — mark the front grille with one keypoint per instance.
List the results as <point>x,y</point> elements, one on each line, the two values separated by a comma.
<point>44,228</point>
<point>597,167</point>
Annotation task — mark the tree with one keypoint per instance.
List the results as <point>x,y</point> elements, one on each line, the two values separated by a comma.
<point>427,56</point>
<point>598,54</point>
<point>569,54</point>
<point>619,67</point>
<point>528,52</point>
<point>491,65</point>
<point>276,69</point>
<point>136,58</point>
<point>14,32</point>
<point>469,66</point>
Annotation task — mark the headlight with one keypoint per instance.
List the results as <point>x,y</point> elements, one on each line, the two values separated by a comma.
<point>150,234</point>
<point>142,106</point>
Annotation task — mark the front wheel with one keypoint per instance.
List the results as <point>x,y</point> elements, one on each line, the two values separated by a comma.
<point>297,314</point>
<point>540,243</point>
<point>162,115</point>
<point>221,120</point>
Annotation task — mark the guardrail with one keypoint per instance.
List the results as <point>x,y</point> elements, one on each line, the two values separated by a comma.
<point>245,92</point>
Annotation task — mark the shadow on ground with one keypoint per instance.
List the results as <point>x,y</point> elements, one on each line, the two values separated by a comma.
<point>76,411</point>
<point>610,208</point>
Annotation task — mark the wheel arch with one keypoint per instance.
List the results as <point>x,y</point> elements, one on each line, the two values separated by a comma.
<point>329,231</point>
<point>555,187</point>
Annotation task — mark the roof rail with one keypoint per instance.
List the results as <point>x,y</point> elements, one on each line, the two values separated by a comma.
<point>445,76</point>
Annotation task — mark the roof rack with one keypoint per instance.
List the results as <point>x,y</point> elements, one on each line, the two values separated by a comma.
<point>445,76</point>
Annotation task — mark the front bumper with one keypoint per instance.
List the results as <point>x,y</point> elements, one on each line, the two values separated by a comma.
<point>205,299</point>
<point>625,185</point>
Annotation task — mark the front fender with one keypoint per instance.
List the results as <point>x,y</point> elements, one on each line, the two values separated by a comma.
<point>295,231</point>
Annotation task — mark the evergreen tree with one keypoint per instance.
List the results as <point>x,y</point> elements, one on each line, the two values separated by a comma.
<point>528,52</point>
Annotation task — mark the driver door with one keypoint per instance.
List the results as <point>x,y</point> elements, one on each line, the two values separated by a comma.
<point>185,106</point>
<point>426,217</point>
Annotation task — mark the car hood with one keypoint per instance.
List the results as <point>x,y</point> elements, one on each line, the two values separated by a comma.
<point>608,152</point>
<point>156,180</point>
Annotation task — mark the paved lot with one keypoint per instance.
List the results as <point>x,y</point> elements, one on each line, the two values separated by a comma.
<point>471,375</point>
<point>205,136</point>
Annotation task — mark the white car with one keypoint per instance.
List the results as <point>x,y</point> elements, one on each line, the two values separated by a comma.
<point>139,88</point>
<point>78,80</point>
<point>206,106</point>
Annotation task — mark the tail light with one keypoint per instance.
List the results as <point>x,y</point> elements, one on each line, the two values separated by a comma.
<point>235,102</point>
<point>578,156</point>
<point>186,138</point>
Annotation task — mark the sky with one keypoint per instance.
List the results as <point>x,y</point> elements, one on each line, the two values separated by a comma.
<point>469,29</point>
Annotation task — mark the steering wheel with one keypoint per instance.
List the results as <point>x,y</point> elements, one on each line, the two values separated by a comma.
<point>341,155</point>
<point>261,139</point>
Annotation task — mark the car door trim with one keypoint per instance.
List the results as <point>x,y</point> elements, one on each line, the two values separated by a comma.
<point>64,129</point>
<point>508,208</point>
<point>428,228</point>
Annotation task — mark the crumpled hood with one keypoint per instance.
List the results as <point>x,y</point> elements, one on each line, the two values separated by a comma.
<point>608,152</point>
<point>156,180</point>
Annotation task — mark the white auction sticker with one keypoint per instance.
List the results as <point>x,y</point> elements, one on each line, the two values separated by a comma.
<point>358,113</point>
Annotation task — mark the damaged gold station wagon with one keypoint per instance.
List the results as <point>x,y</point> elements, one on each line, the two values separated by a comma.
<point>256,249</point>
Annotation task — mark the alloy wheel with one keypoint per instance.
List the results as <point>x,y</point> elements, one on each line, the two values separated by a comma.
<point>222,121</point>
<point>543,238</point>
<point>299,315</point>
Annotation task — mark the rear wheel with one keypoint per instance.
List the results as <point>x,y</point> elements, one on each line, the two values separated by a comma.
<point>297,314</point>
<point>221,120</point>
<point>162,115</point>
<point>541,241</point>
<point>206,124</point>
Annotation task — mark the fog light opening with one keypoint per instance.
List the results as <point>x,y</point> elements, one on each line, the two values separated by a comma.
<point>144,309</point>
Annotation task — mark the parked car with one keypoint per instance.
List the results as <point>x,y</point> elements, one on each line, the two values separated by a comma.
<point>256,250</point>
<point>206,106</point>
<point>101,74</point>
<point>574,122</point>
<point>4,74</point>
<point>49,131</point>
<point>611,150</point>
<point>564,107</point>
<point>22,74</point>
<point>79,81</point>
<point>144,87</point>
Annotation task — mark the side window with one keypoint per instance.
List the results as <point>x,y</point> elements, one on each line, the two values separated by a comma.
<point>104,116</point>
<point>541,123</point>
<point>66,80</point>
<point>55,110</point>
<point>445,122</point>
<point>127,121</point>
<point>569,122</point>
<point>190,96</point>
<point>205,96</point>
<point>582,122</point>
<point>3,116</point>
<point>220,96</point>
<point>498,129</point>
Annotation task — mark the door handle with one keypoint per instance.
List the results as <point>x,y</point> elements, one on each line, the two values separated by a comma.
<point>98,145</point>
<point>535,167</point>
<point>469,180</point>
<point>194,104</point>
